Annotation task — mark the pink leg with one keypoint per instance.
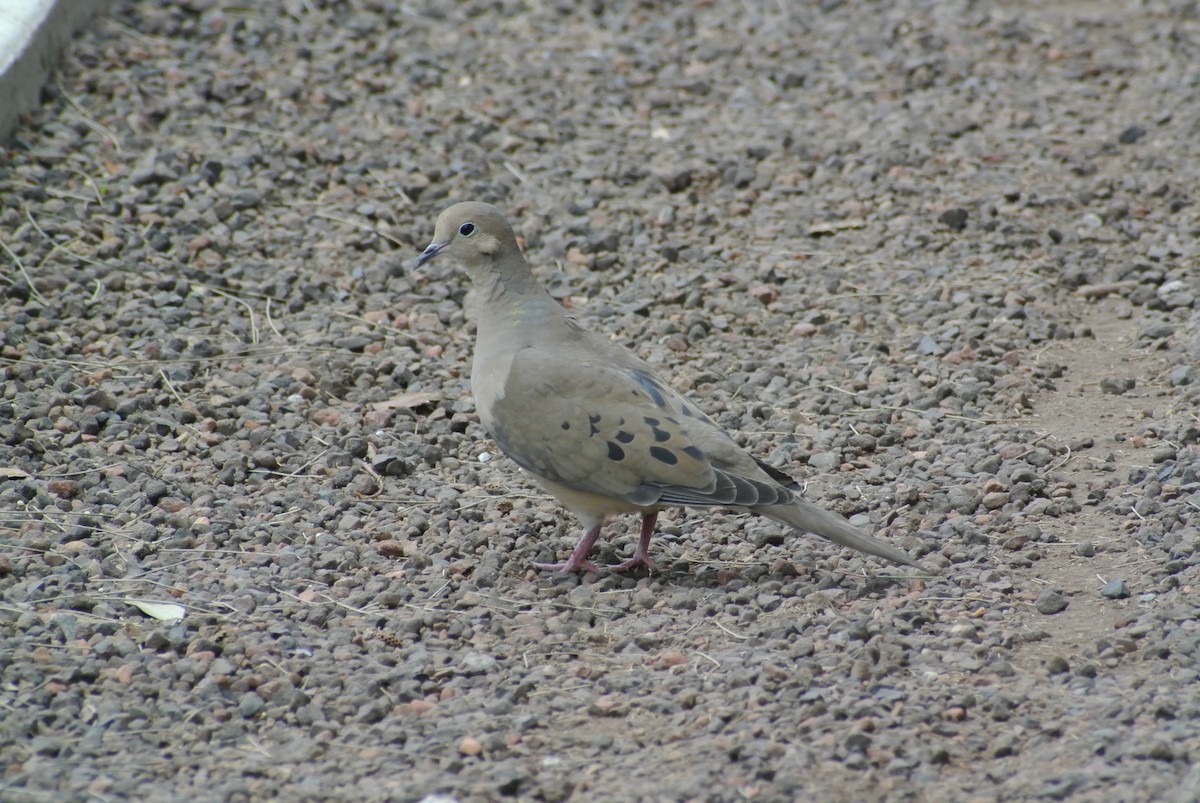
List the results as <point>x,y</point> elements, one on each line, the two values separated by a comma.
<point>641,555</point>
<point>578,561</point>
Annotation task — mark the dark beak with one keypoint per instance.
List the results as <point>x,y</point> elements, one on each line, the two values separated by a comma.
<point>429,253</point>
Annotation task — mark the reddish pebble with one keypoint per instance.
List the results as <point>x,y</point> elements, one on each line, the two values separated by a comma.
<point>390,548</point>
<point>327,416</point>
<point>670,658</point>
<point>765,293</point>
<point>421,706</point>
<point>377,418</point>
<point>67,489</point>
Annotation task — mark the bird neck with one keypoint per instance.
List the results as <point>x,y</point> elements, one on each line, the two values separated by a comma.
<point>504,282</point>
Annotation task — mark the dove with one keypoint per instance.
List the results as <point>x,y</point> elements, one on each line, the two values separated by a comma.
<point>594,424</point>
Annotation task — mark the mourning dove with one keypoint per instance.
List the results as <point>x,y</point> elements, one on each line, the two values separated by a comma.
<point>591,422</point>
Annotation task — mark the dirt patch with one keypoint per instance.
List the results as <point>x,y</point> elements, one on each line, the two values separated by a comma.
<point>1083,410</point>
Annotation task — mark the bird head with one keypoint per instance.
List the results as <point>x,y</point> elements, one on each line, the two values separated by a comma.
<point>473,234</point>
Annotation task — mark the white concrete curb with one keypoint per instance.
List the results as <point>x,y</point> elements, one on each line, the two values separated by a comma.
<point>32,35</point>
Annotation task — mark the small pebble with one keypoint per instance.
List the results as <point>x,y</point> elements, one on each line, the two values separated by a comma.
<point>956,218</point>
<point>250,704</point>
<point>1116,386</point>
<point>1131,135</point>
<point>477,663</point>
<point>1051,602</point>
<point>1182,375</point>
<point>1115,589</point>
<point>671,658</point>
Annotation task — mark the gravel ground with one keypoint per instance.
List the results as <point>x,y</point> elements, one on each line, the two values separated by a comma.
<point>938,259</point>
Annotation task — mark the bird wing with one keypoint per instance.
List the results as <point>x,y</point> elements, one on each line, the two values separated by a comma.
<point>589,416</point>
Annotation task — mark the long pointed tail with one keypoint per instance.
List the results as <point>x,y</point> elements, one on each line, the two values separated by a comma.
<point>811,519</point>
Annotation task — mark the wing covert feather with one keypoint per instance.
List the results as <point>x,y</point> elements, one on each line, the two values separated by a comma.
<point>598,426</point>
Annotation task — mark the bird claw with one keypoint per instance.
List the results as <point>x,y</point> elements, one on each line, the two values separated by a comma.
<point>571,565</point>
<point>638,559</point>
<point>578,561</point>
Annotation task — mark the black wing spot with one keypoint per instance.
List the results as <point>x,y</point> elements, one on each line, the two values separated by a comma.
<point>693,452</point>
<point>652,388</point>
<point>653,422</point>
<point>615,452</point>
<point>663,455</point>
<point>783,479</point>
<point>687,411</point>
<point>624,437</point>
<point>593,420</point>
<point>566,425</point>
<point>660,435</point>
<point>671,420</point>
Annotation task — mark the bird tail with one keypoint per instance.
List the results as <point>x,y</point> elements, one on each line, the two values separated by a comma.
<point>811,519</point>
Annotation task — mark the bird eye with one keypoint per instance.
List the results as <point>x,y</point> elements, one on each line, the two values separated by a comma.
<point>466,229</point>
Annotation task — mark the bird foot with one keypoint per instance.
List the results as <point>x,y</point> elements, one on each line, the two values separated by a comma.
<point>578,561</point>
<point>639,559</point>
<point>571,565</point>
